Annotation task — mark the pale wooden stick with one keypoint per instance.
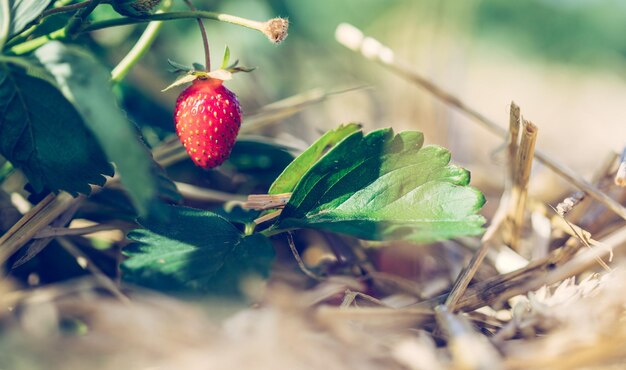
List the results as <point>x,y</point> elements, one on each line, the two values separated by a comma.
<point>514,126</point>
<point>354,39</point>
<point>36,219</point>
<point>66,231</point>
<point>521,177</point>
<point>267,217</point>
<point>262,202</point>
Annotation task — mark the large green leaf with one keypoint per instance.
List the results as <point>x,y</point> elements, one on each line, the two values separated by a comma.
<point>42,133</point>
<point>87,84</point>
<point>23,12</point>
<point>290,177</point>
<point>383,187</point>
<point>196,251</point>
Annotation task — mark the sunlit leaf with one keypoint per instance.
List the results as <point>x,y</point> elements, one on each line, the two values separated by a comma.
<point>384,186</point>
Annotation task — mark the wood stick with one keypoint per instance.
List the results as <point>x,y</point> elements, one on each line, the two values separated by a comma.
<point>66,231</point>
<point>34,220</point>
<point>354,39</point>
<point>514,126</point>
<point>521,177</point>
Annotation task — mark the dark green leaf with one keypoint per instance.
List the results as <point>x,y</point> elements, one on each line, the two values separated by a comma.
<point>384,186</point>
<point>196,251</point>
<point>259,158</point>
<point>290,177</point>
<point>87,85</point>
<point>25,11</point>
<point>42,134</point>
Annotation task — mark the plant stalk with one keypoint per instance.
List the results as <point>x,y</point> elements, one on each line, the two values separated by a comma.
<point>61,34</point>
<point>65,9</point>
<point>255,25</point>
<point>205,39</point>
<point>140,48</point>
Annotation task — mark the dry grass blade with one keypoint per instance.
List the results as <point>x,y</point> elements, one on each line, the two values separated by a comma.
<point>514,126</point>
<point>520,177</point>
<point>32,222</point>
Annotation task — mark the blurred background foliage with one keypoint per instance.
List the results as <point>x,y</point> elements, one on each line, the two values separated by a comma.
<point>562,61</point>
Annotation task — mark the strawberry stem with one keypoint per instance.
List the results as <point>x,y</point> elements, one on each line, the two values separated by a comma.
<point>77,19</point>
<point>140,48</point>
<point>64,9</point>
<point>263,27</point>
<point>205,40</point>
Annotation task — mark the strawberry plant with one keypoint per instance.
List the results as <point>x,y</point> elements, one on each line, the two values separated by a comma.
<point>64,136</point>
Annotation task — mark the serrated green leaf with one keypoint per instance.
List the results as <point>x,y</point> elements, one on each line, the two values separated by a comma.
<point>290,177</point>
<point>196,251</point>
<point>87,84</point>
<point>25,11</point>
<point>386,187</point>
<point>42,134</point>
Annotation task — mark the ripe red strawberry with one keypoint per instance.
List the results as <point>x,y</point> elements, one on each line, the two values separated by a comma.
<point>208,118</point>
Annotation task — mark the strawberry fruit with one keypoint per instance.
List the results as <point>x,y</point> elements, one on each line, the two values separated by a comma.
<point>208,118</point>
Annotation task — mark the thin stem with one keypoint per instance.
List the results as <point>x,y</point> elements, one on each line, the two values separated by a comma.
<point>64,9</point>
<point>86,263</point>
<point>205,39</point>
<point>61,34</point>
<point>77,19</point>
<point>28,46</point>
<point>255,25</point>
<point>299,260</point>
<point>140,48</point>
<point>5,10</point>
